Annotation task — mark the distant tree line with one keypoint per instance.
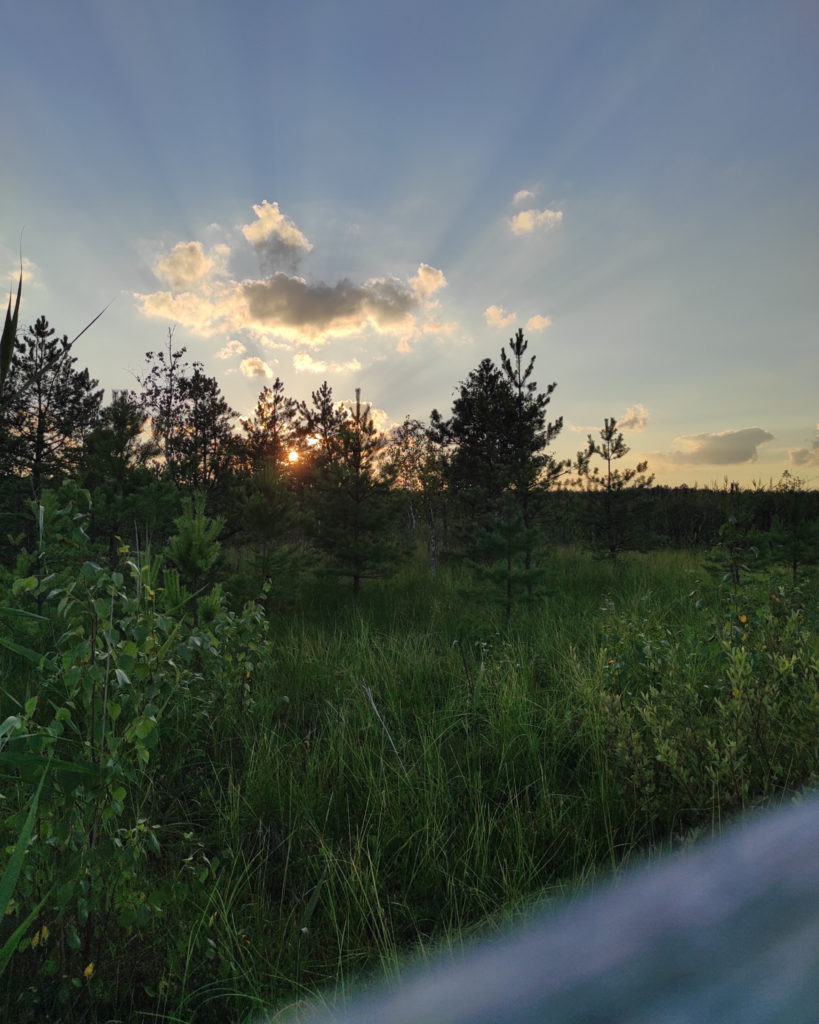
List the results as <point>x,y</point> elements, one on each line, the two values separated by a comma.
<point>315,483</point>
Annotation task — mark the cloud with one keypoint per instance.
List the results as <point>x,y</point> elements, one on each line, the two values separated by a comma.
<point>538,323</point>
<point>436,327</point>
<point>281,308</point>
<point>295,308</point>
<point>805,456</point>
<point>276,239</point>
<point>29,269</point>
<point>210,309</point>
<point>233,348</point>
<point>523,195</point>
<point>255,367</point>
<point>496,316</point>
<point>427,281</point>
<point>186,264</point>
<point>305,362</point>
<point>525,222</point>
<point>726,448</point>
<point>381,420</point>
<point>634,419</point>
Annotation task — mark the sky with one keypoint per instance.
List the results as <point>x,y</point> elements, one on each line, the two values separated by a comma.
<point>380,194</point>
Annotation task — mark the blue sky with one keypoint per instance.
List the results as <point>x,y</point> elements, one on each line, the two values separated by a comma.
<point>380,194</point>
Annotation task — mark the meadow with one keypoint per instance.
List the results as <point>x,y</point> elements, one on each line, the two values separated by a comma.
<point>226,810</point>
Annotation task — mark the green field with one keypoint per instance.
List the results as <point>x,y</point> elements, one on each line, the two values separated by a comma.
<point>242,807</point>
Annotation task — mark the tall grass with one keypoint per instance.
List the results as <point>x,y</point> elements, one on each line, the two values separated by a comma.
<point>350,782</point>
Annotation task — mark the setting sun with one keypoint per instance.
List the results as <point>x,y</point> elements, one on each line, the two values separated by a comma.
<point>293,457</point>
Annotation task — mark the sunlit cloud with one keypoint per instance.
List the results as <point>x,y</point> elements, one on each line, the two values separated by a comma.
<point>496,316</point>
<point>427,281</point>
<point>186,264</point>
<point>211,309</point>
<point>436,327</point>
<point>523,195</point>
<point>306,363</point>
<point>538,323</point>
<point>276,239</point>
<point>285,308</point>
<point>29,269</point>
<point>382,421</point>
<point>634,418</point>
<point>233,348</point>
<point>255,367</point>
<point>726,448</point>
<point>805,456</point>
<point>525,222</point>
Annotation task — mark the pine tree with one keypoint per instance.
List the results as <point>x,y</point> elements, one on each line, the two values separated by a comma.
<point>794,533</point>
<point>321,426</point>
<point>350,500</point>
<point>533,468</point>
<point>206,444</point>
<point>271,433</point>
<point>191,422</point>
<point>415,466</point>
<point>161,397</point>
<point>47,408</point>
<point>612,530</point>
<point>479,446</point>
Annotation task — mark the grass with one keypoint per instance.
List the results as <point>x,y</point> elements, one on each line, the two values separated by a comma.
<point>390,776</point>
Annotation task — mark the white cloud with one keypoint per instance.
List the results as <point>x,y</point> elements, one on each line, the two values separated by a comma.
<point>255,367</point>
<point>525,222</point>
<point>305,362</point>
<point>427,281</point>
<point>634,419</point>
<point>281,308</point>
<point>29,269</point>
<point>272,223</point>
<point>276,238</point>
<point>436,327</point>
<point>805,456</point>
<point>233,348</point>
<point>496,316</point>
<point>726,448</point>
<point>538,323</point>
<point>184,265</point>
<point>523,195</point>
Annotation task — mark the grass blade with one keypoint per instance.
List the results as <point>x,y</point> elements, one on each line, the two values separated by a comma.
<point>9,332</point>
<point>12,872</point>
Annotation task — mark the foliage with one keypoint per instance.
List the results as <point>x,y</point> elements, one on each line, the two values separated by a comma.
<point>614,522</point>
<point>272,433</point>
<point>794,533</point>
<point>9,335</point>
<point>350,502</point>
<point>194,548</point>
<point>698,728</point>
<point>47,409</point>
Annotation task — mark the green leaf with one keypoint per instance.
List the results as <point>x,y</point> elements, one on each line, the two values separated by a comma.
<point>12,872</point>
<point>9,332</point>
<point>10,724</point>
<point>21,614</point>
<point>25,652</point>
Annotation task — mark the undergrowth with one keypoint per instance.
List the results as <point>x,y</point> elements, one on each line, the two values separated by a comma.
<point>242,807</point>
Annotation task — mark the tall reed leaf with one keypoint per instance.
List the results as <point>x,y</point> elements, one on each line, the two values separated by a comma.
<point>10,876</point>
<point>9,333</point>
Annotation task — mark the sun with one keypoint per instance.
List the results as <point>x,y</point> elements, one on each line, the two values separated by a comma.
<point>293,456</point>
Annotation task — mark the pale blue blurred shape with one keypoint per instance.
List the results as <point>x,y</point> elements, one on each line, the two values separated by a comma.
<point>727,933</point>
